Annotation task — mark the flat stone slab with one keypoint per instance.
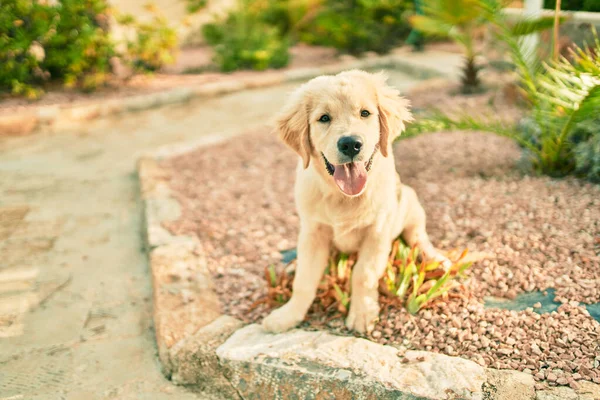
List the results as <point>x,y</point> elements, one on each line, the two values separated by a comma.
<point>301,364</point>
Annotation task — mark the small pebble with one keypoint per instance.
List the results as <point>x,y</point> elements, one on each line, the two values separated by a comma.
<point>562,381</point>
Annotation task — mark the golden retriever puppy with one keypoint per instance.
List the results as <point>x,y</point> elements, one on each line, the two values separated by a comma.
<point>347,192</point>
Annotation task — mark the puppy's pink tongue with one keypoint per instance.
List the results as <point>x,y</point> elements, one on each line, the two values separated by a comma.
<point>351,178</point>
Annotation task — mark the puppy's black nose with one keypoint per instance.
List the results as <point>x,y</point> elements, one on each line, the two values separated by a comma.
<point>349,145</point>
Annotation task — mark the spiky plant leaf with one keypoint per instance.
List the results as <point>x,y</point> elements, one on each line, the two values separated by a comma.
<point>531,25</point>
<point>272,275</point>
<point>430,26</point>
<point>438,121</point>
<point>458,20</point>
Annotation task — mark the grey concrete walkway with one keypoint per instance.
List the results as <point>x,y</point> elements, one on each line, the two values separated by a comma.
<point>75,295</point>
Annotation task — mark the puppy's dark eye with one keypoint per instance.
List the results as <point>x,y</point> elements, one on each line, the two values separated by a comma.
<point>324,118</point>
<point>364,113</point>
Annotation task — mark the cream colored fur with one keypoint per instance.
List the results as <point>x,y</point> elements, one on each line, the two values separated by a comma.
<point>366,223</point>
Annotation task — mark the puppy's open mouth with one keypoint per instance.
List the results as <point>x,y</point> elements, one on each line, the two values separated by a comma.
<point>351,177</point>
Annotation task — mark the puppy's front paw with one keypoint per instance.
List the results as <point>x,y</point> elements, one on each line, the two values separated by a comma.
<point>445,263</point>
<point>364,311</point>
<point>282,319</point>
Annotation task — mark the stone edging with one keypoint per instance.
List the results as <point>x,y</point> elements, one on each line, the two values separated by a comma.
<point>216,354</point>
<point>57,116</point>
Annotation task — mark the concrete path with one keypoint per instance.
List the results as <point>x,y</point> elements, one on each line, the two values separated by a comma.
<point>75,295</point>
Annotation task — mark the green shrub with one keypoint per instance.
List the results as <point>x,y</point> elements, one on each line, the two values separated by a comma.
<point>409,280</point>
<point>70,42</point>
<point>459,20</point>
<point>564,99</point>
<point>155,42</point>
<point>574,5</point>
<point>80,50</point>
<point>67,41</point>
<point>24,25</point>
<point>195,5</point>
<point>289,16</point>
<point>274,13</point>
<point>356,26</point>
<point>243,41</point>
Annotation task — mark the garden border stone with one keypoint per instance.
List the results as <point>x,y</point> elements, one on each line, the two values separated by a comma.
<point>214,353</point>
<point>55,117</point>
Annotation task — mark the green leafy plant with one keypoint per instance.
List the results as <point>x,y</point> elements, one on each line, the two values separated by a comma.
<point>409,281</point>
<point>333,293</point>
<point>244,41</point>
<point>67,41</point>
<point>357,26</point>
<point>562,95</point>
<point>288,16</point>
<point>338,275</point>
<point>459,20</point>
<point>194,6</point>
<point>277,285</point>
<point>155,43</point>
<point>23,24</point>
<point>80,49</point>
<point>415,282</point>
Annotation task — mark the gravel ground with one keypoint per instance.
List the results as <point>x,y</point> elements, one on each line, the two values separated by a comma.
<point>497,102</point>
<point>539,233</point>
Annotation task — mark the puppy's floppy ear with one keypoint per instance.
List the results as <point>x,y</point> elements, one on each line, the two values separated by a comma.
<point>393,112</point>
<point>292,125</point>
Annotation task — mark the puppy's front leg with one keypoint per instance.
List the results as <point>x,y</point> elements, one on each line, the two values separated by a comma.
<point>314,242</point>
<point>371,263</point>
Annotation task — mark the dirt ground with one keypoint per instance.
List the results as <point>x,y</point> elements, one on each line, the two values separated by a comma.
<point>539,233</point>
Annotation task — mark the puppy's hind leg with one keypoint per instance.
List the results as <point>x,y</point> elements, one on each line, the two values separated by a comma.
<point>314,243</point>
<point>414,232</point>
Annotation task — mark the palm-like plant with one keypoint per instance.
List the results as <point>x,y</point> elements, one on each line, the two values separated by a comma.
<point>458,20</point>
<point>562,95</point>
<point>568,94</point>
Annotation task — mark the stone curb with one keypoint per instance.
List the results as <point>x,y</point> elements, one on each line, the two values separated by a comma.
<point>61,117</point>
<point>214,353</point>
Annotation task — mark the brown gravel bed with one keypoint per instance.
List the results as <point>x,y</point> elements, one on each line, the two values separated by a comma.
<point>539,232</point>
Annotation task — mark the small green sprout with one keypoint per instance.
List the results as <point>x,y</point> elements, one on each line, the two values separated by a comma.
<point>343,298</point>
<point>278,285</point>
<point>405,271</point>
<point>272,275</point>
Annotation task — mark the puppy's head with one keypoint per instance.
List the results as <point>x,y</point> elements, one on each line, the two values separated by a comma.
<point>341,123</point>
